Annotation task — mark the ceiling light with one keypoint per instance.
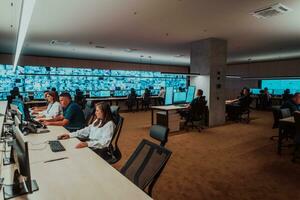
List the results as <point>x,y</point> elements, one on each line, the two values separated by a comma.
<point>131,49</point>
<point>271,11</point>
<point>26,13</point>
<point>179,55</point>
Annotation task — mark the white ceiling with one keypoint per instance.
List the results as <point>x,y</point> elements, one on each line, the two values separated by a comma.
<point>159,29</point>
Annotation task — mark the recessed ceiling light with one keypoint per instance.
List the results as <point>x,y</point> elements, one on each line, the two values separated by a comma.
<point>61,43</point>
<point>131,49</point>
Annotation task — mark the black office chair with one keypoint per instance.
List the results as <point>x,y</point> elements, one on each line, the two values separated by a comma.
<point>89,112</point>
<point>114,153</point>
<point>277,116</point>
<point>287,131</point>
<point>297,136</point>
<point>159,133</point>
<point>145,165</point>
<point>196,116</point>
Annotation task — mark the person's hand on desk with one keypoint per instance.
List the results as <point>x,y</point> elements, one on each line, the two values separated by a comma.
<point>46,123</point>
<point>81,145</point>
<point>63,136</point>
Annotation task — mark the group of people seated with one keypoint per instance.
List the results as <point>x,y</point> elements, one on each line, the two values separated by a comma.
<point>62,111</point>
<point>292,103</point>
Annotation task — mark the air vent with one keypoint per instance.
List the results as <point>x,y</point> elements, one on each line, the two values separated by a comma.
<point>99,47</point>
<point>60,43</point>
<point>271,11</point>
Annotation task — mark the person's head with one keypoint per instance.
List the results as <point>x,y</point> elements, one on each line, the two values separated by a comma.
<point>199,93</point>
<point>53,89</point>
<point>45,94</point>
<point>246,91</point>
<point>132,91</point>
<point>65,99</point>
<point>287,91</point>
<point>296,98</point>
<point>162,88</point>
<point>103,114</point>
<point>51,97</point>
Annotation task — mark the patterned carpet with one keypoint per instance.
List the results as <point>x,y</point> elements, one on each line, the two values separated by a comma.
<point>231,162</point>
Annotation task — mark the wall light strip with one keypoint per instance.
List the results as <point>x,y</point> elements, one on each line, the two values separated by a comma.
<point>26,13</point>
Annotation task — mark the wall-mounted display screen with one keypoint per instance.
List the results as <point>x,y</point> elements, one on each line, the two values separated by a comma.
<point>190,94</point>
<point>99,82</point>
<point>281,85</point>
<point>169,96</point>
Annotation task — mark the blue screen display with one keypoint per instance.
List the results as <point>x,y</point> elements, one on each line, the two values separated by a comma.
<point>190,94</point>
<point>179,97</point>
<point>20,105</point>
<point>169,96</point>
<point>38,79</point>
<point>255,90</point>
<point>292,84</point>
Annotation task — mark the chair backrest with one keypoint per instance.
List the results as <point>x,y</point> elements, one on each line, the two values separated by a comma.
<point>297,123</point>
<point>197,110</point>
<point>285,112</point>
<point>276,115</point>
<point>116,135</point>
<point>115,109</point>
<point>89,112</point>
<point>146,163</point>
<point>159,133</point>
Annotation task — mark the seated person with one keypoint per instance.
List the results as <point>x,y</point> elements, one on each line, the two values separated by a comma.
<point>72,117</point>
<point>286,95</point>
<point>234,107</point>
<point>99,133</point>
<point>199,101</point>
<point>293,104</point>
<point>146,99</point>
<point>53,109</point>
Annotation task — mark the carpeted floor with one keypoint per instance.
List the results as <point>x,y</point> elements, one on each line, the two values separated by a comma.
<point>236,161</point>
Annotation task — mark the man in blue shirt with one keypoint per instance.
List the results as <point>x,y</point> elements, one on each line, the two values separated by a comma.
<point>72,118</point>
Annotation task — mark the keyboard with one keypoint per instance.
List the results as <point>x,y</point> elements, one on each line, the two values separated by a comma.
<point>182,105</point>
<point>56,146</point>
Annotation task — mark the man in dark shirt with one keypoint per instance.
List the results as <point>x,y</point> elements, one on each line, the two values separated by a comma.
<point>293,104</point>
<point>72,118</point>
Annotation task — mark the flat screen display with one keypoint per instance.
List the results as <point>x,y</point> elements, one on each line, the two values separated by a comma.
<point>169,96</point>
<point>190,94</point>
<point>179,97</point>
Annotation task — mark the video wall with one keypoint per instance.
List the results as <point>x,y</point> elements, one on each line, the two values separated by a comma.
<point>278,86</point>
<point>99,82</point>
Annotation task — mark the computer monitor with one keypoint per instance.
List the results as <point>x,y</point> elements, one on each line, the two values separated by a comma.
<point>271,91</point>
<point>190,94</point>
<point>255,91</point>
<point>169,96</point>
<point>179,97</point>
<point>21,159</point>
<point>23,109</point>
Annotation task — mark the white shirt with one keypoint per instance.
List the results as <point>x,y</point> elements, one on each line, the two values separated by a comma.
<point>53,110</point>
<point>100,137</point>
<point>162,93</point>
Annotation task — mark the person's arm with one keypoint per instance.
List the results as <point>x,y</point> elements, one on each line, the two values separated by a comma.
<point>50,122</point>
<point>85,132</point>
<point>103,136</point>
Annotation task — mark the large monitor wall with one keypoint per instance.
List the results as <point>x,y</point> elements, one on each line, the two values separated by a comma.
<point>37,79</point>
<point>279,85</point>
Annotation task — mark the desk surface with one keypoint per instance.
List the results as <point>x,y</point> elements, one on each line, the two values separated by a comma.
<point>170,107</point>
<point>36,102</point>
<point>84,175</point>
<point>288,119</point>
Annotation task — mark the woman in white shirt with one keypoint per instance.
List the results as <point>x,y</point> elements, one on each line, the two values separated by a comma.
<point>99,133</point>
<point>53,109</point>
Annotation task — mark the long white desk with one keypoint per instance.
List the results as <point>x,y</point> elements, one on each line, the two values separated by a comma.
<point>83,175</point>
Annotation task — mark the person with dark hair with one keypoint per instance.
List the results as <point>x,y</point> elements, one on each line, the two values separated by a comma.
<point>233,107</point>
<point>72,117</point>
<point>80,98</point>
<point>53,109</point>
<point>56,93</point>
<point>293,104</point>
<point>99,133</point>
<point>131,99</point>
<point>146,99</point>
<point>286,95</point>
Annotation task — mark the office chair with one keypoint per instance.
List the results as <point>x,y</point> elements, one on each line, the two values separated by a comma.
<point>145,165</point>
<point>196,114</point>
<point>297,136</point>
<point>114,153</point>
<point>287,131</point>
<point>89,112</point>
<point>276,116</point>
<point>159,133</point>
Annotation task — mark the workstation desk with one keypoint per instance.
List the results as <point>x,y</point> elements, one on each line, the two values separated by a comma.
<point>82,174</point>
<point>170,114</point>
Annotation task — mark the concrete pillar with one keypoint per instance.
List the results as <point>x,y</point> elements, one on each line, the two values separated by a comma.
<point>208,58</point>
